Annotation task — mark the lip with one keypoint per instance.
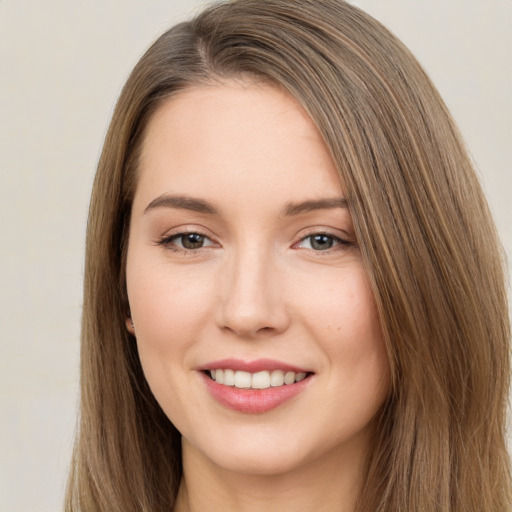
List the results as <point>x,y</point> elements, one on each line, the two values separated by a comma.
<point>258,365</point>
<point>253,401</point>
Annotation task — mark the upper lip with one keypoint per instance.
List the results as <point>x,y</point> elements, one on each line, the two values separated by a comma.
<point>258,365</point>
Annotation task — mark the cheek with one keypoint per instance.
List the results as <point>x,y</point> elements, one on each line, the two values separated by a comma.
<point>166,305</point>
<point>169,310</point>
<point>342,317</point>
<point>342,304</point>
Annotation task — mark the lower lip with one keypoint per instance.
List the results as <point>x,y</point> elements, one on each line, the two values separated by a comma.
<point>253,401</point>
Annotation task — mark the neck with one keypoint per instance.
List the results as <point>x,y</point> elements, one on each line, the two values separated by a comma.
<point>331,483</point>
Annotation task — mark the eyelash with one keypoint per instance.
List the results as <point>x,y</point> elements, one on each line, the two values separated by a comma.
<point>338,243</point>
<point>169,242</point>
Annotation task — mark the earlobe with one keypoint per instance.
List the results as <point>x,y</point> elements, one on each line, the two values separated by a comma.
<point>130,327</point>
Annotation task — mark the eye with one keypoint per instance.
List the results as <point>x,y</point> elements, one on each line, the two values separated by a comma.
<point>187,241</point>
<point>321,242</point>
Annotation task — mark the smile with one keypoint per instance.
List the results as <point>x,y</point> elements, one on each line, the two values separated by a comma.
<point>254,387</point>
<point>259,380</point>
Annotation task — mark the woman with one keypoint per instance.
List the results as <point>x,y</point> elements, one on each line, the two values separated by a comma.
<point>294,296</point>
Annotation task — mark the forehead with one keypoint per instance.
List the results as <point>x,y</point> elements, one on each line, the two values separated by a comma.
<point>243,138</point>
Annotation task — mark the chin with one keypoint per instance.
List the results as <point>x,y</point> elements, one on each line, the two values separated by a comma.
<point>258,462</point>
<point>260,456</point>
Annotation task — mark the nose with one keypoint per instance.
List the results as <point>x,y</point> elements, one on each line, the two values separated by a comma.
<point>252,298</point>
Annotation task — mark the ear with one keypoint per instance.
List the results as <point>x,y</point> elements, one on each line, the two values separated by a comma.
<point>130,327</point>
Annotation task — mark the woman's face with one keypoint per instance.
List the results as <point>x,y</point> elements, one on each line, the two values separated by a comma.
<point>242,263</point>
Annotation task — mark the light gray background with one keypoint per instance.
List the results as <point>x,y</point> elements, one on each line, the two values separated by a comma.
<point>62,64</point>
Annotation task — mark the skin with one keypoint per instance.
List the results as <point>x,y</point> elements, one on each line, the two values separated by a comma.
<point>257,288</point>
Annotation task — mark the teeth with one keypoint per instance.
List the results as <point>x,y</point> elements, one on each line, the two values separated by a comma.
<point>242,380</point>
<point>229,377</point>
<point>277,378</point>
<point>259,380</point>
<point>289,378</point>
<point>300,376</point>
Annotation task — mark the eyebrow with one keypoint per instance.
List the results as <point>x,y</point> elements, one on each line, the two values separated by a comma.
<point>182,202</point>
<point>313,205</point>
<point>202,206</point>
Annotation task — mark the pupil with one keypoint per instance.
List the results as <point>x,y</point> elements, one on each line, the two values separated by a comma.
<point>321,242</point>
<point>192,241</point>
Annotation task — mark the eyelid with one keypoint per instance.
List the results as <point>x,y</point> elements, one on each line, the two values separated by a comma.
<point>336,240</point>
<point>179,236</point>
<point>343,240</point>
<point>166,239</point>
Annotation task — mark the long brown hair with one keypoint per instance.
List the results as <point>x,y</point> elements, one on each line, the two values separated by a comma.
<point>426,237</point>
